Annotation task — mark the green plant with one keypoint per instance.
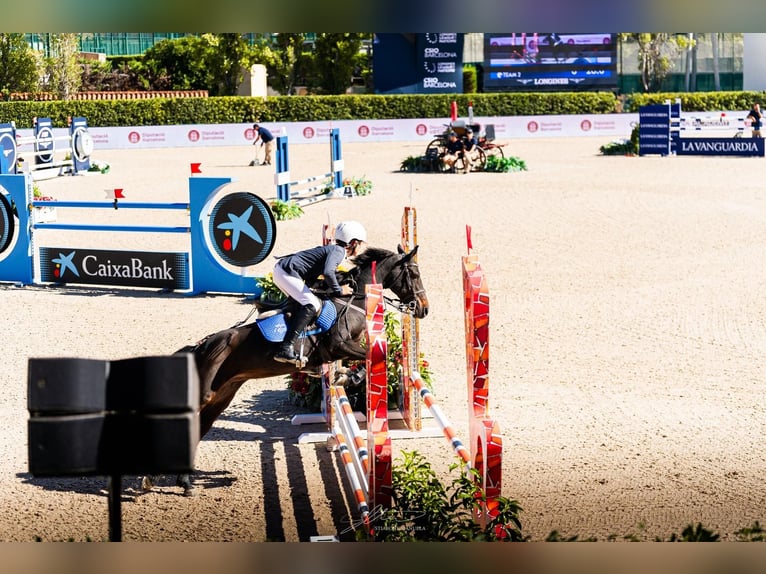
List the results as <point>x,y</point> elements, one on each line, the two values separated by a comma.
<point>360,185</point>
<point>695,534</point>
<point>269,289</point>
<point>99,166</point>
<point>305,390</point>
<point>424,509</point>
<point>617,147</point>
<point>691,533</point>
<point>470,83</point>
<point>411,163</point>
<point>754,533</point>
<point>622,146</point>
<point>285,209</point>
<point>504,164</point>
<point>395,357</point>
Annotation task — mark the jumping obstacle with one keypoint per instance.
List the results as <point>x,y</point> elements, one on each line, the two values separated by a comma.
<point>366,456</point>
<point>285,191</point>
<point>411,407</point>
<point>664,131</point>
<point>44,149</point>
<point>229,233</point>
<point>486,440</point>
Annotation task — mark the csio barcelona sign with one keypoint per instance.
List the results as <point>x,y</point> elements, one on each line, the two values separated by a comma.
<point>744,147</point>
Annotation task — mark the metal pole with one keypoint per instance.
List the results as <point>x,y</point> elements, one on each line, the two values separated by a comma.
<point>115,520</point>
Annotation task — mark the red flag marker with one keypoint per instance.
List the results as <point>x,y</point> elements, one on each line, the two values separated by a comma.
<point>114,193</point>
<point>195,168</point>
<point>468,238</point>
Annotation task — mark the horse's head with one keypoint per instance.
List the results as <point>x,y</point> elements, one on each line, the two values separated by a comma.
<point>405,281</point>
<point>395,271</point>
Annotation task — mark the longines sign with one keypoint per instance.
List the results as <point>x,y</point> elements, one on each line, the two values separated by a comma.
<point>124,268</point>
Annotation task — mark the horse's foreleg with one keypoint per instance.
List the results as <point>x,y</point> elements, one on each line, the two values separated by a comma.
<point>350,376</point>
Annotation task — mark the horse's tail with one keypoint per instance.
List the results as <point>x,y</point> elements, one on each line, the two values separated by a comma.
<point>186,349</point>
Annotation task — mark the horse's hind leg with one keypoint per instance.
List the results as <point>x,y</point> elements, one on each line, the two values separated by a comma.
<point>184,480</point>
<point>148,482</point>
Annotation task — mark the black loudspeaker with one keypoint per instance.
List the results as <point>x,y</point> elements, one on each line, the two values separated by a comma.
<point>130,416</point>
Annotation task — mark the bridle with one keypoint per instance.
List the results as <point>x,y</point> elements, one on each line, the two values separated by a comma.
<point>404,277</point>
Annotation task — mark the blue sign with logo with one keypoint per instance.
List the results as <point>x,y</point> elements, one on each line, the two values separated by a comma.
<point>743,147</point>
<point>654,130</point>
<point>430,63</point>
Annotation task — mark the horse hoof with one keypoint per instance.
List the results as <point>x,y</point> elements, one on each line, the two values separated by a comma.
<point>331,444</point>
<point>184,481</point>
<point>146,484</point>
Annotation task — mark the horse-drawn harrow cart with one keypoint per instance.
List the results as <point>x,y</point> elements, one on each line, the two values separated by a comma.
<point>487,147</point>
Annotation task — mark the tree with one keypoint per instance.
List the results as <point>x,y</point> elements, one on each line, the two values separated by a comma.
<point>227,58</point>
<point>63,70</point>
<point>18,65</point>
<point>654,56</point>
<point>284,61</point>
<point>179,64</point>
<point>716,62</point>
<point>335,57</point>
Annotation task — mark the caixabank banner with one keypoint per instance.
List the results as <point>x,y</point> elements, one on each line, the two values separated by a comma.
<point>425,63</point>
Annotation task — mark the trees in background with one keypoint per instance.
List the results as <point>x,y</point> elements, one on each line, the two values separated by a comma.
<point>63,72</point>
<point>655,54</point>
<point>18,65</point>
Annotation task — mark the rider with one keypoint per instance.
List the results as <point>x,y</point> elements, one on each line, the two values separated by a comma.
<point>293,273</point>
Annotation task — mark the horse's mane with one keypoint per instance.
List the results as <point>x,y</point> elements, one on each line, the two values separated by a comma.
<point>366,257</point>
<point>362,264</point>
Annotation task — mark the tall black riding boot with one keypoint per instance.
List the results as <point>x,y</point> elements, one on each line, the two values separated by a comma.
<point>301,319</point>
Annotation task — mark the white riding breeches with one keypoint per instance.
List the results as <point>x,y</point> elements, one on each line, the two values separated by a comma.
<point>295,287</point>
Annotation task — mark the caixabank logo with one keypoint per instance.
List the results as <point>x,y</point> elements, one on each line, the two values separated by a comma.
<point>242,229</point>
<point>126,268</point>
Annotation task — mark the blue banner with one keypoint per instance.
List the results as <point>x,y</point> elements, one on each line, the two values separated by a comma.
<point>430,63</point>
<point>743,147</point>
<point>654,130</point>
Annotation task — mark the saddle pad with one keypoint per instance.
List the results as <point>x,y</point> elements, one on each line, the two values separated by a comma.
<point>274,327</point>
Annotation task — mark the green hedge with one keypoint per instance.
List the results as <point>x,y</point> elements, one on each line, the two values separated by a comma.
<point>698,101</point>
<point>224,110</point>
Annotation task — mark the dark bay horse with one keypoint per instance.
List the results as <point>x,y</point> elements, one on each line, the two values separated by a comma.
<point>228,358</point>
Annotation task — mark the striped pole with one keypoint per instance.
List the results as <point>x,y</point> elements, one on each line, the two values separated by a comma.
<point>347,422</point>
<point>353,477</point>
<point>428,399</point>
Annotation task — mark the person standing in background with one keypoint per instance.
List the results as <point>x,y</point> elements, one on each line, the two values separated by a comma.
<point>755,116</point>
<point>267,143</point>
<point>470,145</point>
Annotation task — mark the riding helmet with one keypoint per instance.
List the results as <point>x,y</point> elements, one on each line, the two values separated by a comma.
<point>346,231</point>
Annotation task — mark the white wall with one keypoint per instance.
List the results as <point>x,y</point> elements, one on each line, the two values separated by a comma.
<point>754,64</point>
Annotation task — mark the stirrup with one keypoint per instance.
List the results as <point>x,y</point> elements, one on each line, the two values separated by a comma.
<point>284,356</point>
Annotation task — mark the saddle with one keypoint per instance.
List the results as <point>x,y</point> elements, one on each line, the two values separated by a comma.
<point>273,325</point>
